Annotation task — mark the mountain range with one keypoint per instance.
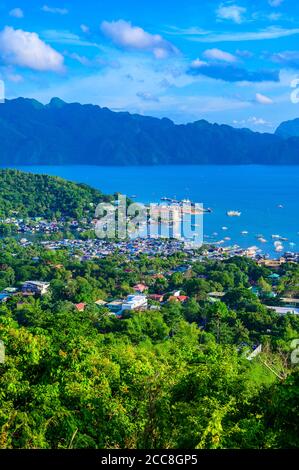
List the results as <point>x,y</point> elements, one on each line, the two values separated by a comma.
<point>65,134</point>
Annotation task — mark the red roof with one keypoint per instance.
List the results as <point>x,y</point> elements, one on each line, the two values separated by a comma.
<point>80,307</point>
<point>140,287</point>
<point>178,298</point>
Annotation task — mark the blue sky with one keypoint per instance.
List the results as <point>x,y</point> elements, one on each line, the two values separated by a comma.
<point>225,61</point>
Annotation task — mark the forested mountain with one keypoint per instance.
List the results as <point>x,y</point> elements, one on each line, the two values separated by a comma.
<point>288,129</point>
<point>45,196</point>
<point>60,133</point>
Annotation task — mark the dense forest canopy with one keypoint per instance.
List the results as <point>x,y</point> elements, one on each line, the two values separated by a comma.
<point>26,194</point>
<point>172,376</point>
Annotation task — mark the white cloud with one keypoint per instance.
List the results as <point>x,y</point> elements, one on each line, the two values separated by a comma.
<point>124,34</point>
<point>253,121</point>
<point>84,28</point>
<point>197,63</point>
<point>14,77</point>
<point>59,11</point>
<point>66,37</point>
<point>272,32</point>
<point>258,121</point>
<point>146,96</point>
<point>262,99</point>
<point>80,58</point>
<point>274,16</point>
<point>231,12</point>
<point>16,13</point>
<point>218,54</point>
<point>25,49</point>
<point>275,3</point>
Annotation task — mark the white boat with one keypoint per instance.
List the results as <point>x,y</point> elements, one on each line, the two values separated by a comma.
<point>233,213</point>
<point>262,240</point>
<point>224,228</point>
<point>185,201</point>
<point>244,232</point>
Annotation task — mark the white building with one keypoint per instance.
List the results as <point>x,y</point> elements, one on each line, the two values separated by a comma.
<point>36,287</point>
<point>285,310</point>
<point>134,302</point>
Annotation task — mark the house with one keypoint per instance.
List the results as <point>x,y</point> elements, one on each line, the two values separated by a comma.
<point>156,297</point>
<point>101,303</point>
<point>35,287</point>
<point>284,310</point>
<point>176,293</point>
<point>158,276</point>
<point>272,263</point>
<point>290,302</point>
<point>80,307</point>
<point>135,302</point>
<point>178,298</point>
<point>215,296</point>
<point>10,290</point>
<point>3,297</point>
<point>274,277</point>
<point>115,306</point>
<point>140,288</point>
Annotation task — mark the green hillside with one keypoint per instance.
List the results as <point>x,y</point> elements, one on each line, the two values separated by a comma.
<point>26,194</point>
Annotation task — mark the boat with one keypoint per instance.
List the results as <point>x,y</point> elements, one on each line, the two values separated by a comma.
<point>233,213</point>
<point>262,240</point>
<point>224,228</point>
<point>244,232</point>
<point>185,201</point>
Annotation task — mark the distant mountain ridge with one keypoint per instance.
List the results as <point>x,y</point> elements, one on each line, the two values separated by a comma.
<point>288,129</point>
<point>65,134</point>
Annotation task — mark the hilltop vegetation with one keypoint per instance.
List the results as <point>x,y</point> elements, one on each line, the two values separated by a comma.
<point>172,377</point>
<point>61,134</point>
<point>24,194</point>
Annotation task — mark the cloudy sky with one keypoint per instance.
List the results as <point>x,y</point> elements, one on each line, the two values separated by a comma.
<point>229,62</point>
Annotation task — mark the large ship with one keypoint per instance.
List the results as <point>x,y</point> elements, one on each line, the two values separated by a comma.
<point>183,203</point>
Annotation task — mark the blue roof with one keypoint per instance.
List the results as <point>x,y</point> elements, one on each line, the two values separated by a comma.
<point>3,296</point>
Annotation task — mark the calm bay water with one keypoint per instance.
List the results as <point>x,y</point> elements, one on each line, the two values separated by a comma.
<point>256,191</point>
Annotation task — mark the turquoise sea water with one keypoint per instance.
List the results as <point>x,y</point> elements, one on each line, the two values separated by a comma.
<point>256,191</point>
